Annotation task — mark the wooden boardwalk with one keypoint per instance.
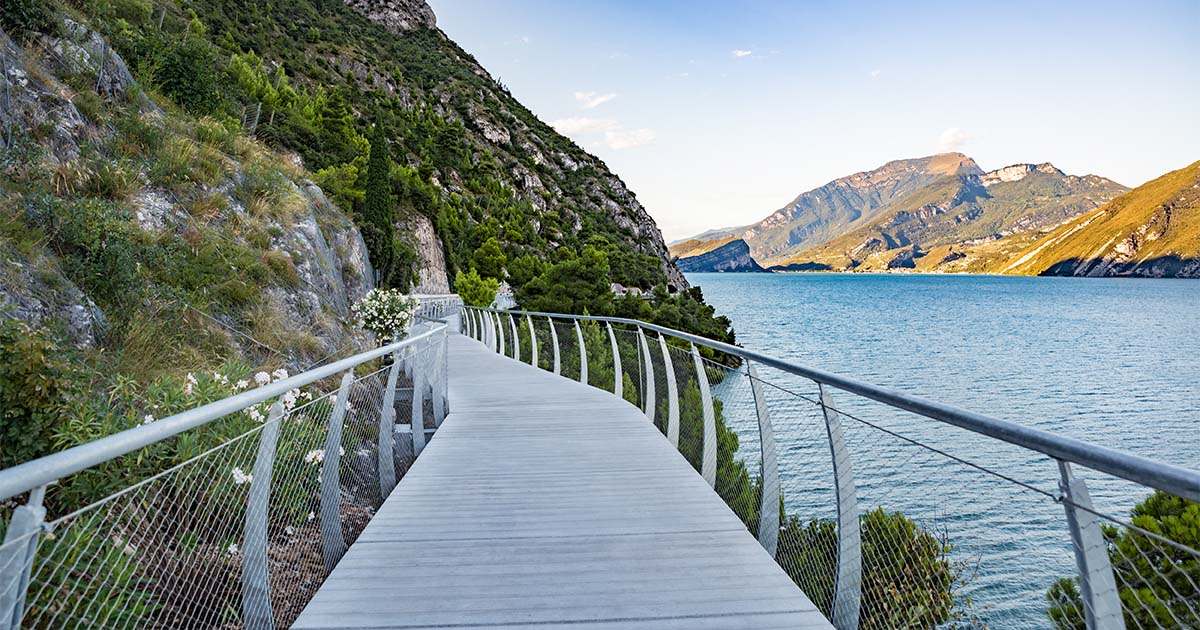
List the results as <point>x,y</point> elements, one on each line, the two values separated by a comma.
<point>541,502</point>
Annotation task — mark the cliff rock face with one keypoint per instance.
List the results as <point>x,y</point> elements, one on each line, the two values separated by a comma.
<point>431,259</point>
<point>732,256</point>
<point>397,16</point>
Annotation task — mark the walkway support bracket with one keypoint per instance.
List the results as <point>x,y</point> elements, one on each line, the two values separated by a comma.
<point>257,613</point>
<point>1097,587</point>
<point>708,458</point>
<point>847,594</point>
<point>500,334</point>
<point>768,509</point>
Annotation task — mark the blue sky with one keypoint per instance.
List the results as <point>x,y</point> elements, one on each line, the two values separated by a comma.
<point>718,113</point>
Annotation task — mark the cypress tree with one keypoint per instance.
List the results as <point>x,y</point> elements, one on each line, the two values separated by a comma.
<point>379,210</point>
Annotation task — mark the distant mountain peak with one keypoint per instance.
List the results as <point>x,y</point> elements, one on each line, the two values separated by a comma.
<point>1017,172</point>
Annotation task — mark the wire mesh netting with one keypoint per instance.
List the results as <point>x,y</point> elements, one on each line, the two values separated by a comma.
<point>176,548</point>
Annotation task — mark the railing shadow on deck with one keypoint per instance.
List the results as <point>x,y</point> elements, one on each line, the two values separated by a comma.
<point>887,509</point>
<point>229,514</point>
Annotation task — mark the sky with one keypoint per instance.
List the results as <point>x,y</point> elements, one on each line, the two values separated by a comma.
<point>718,113</point>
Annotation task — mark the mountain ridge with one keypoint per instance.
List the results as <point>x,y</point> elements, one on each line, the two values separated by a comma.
<point>887,217</point>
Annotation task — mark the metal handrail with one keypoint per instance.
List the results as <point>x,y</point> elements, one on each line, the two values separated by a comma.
<point>1170,478</point>
<point>39,472</point>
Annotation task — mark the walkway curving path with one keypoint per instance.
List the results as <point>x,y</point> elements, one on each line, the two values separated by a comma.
<point>544,503</point>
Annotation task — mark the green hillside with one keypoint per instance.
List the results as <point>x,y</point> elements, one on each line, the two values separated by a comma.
<point>1153,230</point>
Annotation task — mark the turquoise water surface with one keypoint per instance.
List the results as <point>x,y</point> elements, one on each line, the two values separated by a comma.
<point>1111,361</point>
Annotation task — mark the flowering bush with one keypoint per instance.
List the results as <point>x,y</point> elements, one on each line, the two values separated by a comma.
<point>386,312</point>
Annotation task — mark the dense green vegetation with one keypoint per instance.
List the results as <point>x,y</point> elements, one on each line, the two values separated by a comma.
<point>310,76</point>
<point>1156,580</point>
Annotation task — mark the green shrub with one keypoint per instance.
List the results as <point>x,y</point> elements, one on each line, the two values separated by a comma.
<point>24,18</point>
<point>474,289</point>
<point>489,259</point>
<point>34,380</point>
<point>1156,581</point>
<point>188,75</point>
<point>96,242</point>
<point>907,575</point>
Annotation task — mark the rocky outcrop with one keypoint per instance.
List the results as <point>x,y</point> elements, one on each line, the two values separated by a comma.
<point>397,16</point>
<point>34,290</point>
<point>1017,172</point>
<point>732,256</point>
<point>431,256</point>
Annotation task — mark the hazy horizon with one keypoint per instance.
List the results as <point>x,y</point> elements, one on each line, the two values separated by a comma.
<point>716,114</point>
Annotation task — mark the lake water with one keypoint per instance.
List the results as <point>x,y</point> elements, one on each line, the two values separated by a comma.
<point>1112,361</point>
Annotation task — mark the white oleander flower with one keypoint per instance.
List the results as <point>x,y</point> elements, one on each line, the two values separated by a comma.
<point>262,378</point>
<point>243,384</point>
<point>147,419</point>
<point>315,456</point>
<point>240,477</point>
<point>232,549</point>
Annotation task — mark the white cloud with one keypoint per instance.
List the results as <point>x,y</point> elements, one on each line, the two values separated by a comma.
<point>953,139</point>
<point>741,53</point>
<point>583,124</point>
<point>875,73</point>
<point>628,139</point>
<point>524,39</point>
<point>589,100</point>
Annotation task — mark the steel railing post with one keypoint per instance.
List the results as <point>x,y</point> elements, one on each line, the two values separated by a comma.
<point>418,410</point>
<point>437,383</point>
<point>768,507</point>
<point>554,345</point>
<point>583,378</point>
<point>672,393</point>
<point>617,377</point>
<point>257,612</point>
<point>1097,587</point>
<point>847,594</point>
<point>500,334</point>
<point>387,431</point>
<point>333,544</point>
<point>708,458</point>
<point>16,557</point>
<point>533,353</point>
<point>651,402</point>
<point>516,339</point>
